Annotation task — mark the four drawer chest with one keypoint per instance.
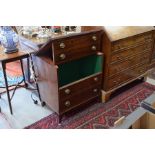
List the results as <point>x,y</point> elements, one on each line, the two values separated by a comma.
<point>127,53</point>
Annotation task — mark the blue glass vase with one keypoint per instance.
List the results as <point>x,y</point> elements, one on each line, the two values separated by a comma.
<point>9,39</point>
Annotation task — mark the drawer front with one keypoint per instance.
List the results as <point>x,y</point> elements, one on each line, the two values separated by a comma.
<point>76,47</point>
<point>80,86</point>
<point>79,99</point>
<point>129,62</point>
<point>125,43</point>
<point>123,55</point>
<point>126,76</point>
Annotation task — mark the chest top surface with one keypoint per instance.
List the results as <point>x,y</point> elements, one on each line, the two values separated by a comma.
<point>115,33</point>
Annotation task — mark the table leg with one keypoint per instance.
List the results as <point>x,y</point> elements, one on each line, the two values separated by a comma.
<point>28,70</point>
<point>37,87</point>
<point>21,62</point>
<point>7,89</point>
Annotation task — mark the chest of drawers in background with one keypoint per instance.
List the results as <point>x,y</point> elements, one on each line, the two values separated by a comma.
<point>70,74</point>
<point>152,64</point>
<point>127,56</point>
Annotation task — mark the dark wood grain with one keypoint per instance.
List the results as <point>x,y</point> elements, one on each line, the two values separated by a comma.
<point>80,86</point>
<point>76,47</point>
<point>80,98</point>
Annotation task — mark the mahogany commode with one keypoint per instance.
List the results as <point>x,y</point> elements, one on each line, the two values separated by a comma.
<point>70,71</point>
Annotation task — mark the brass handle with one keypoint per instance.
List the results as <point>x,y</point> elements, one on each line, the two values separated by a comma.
<point>67,103</point>
<point>130,59</point>
<point>140,71</point>
<point>96,79</point>
<point>93,48</point>
<point>67,91</point>
<point>94,38</point>
<point>146,46</point>
<point>62,56</point>
<point>115,82</point>
<point>118,80</point>
<point>118,68</point>
<point>62,45</point>
<point>148,37</point>
<point>95,90</point>
<point>119,46</point>
<point>119,58</point>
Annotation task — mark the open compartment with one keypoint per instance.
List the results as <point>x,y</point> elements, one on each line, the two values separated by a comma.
<point>76,70</point>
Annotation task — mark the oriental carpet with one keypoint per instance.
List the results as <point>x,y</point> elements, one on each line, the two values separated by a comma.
<point>100,115</point>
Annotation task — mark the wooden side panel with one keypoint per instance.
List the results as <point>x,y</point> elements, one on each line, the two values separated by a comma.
<point>152,59</point>
<point>48,82</point>
<point>106,49</point>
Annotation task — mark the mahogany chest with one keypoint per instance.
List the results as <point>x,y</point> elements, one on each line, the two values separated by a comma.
<point>70,71</point>
<point>127,53</point>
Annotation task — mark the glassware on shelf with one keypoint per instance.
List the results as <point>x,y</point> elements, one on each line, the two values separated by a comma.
<point>71,29</point>
<point>30,31</point>
<point>44,32</point>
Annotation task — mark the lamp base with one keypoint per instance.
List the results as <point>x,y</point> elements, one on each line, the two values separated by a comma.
<point>10,51</point>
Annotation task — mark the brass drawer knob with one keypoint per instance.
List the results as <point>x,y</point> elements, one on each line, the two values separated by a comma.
<point>115,82</point>
<point>118,69</point>
<point>67,103</point>
<point>62,56</point>
<point>95,90</point>
<point>93,48</point>
<point>118,79</point>
<point>147,37</point>
<point>119,58</point>
<point>62,45</point>
<point>130,59</point>
<point>119,46</point>
<point>94,38</point>
<point>67,91</point>
<point>96,79</point>
<point>141,71</point>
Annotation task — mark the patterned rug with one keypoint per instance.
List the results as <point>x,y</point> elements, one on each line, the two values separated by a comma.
<point>99,116</point>
<point>14,75</point>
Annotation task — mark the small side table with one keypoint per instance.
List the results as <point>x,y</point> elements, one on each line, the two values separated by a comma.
<point>6,58</point>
